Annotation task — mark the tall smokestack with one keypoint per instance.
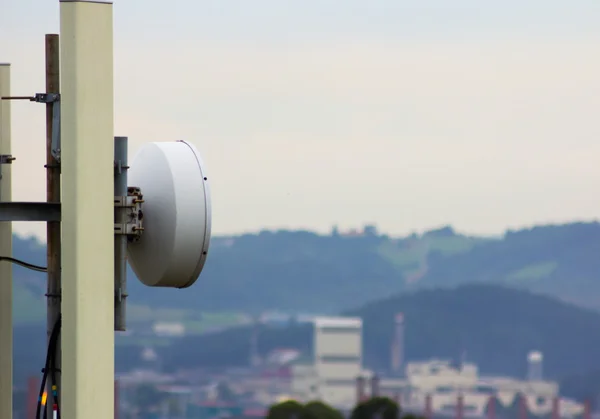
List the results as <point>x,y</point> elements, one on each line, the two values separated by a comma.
<point>375,386</point>
<point>360,389</point>
<point>398,345</point>
<point>523,409</point>
<point>428,413</point>
<point>491,407</point>
<point>460,406</point>
<point>587,410</point>
<point>535,360</point>
<point>556,408</point>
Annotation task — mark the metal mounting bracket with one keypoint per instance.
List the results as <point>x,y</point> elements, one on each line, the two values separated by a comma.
<point>132,203</point>
<point>7,158</point>
<point>53,98</point>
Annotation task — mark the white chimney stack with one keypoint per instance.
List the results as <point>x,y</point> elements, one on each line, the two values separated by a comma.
<point>535,361</point>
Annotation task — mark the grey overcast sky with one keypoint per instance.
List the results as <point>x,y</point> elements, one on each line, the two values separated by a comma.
<point>308,113</point>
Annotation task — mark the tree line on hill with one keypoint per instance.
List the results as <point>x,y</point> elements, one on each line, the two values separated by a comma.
<point>302,271</point>
<point>557,260</point>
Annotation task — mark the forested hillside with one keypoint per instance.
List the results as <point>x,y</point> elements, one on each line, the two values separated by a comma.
<point>301,271</point>
<point>561,260</point>
<point>493,326</point>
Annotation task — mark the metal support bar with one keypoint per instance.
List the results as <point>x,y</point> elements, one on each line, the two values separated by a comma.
<point>53,228</point>
<point>121,209</point>
<point>54,99</point>
<point>29,211</point>
<point>55,144</point>
<point>47,98</point>
<point>30,98</point>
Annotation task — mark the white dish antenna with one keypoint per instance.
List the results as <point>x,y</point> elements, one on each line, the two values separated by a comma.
<point>176,212</point>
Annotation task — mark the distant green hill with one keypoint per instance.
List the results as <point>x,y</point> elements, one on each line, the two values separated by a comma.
<point>298,271</point>
<point>562,260</point>
<point>301,271</point>
<point>494,326</point>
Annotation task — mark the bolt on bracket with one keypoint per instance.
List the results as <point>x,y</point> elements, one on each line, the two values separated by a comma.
<point>53,98</point>
<point>132,203</point>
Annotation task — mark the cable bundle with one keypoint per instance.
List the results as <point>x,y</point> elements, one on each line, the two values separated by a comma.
<point>50,369</point>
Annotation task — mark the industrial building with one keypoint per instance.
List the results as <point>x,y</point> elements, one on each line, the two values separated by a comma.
<point>435,387</point>
<point>337,361</point>
<point>440,387</point>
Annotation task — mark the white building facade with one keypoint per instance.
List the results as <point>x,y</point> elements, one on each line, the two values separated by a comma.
<point>338,357</point>
<point>337,362</point>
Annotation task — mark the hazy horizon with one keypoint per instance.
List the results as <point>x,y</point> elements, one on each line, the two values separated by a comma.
<point>408,115</point>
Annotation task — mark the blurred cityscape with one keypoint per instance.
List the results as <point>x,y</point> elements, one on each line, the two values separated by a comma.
<point>332,372</point>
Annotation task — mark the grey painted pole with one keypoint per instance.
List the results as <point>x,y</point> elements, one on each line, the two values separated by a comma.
<point>120,239</point>
<point>6,280</point>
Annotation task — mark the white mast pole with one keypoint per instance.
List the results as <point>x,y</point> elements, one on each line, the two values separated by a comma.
<point>86,39</point>
<point>6,326</point>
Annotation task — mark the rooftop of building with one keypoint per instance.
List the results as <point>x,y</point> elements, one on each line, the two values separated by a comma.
<point>330,321</point>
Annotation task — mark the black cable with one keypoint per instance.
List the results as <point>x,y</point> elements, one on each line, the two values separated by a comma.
<point>51,362</point>
<point>23,264</point>
<point>49,368</point>
<point>44,371</point>
<point>51,354</point>
<point>53,370</point>
<point>45,375</point>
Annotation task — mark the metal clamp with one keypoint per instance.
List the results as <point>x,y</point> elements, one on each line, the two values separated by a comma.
<point>7,158</point>
<point>53,98</point>
<point>134,227</point>
<point>127,201</point>
<point>46,97</point>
